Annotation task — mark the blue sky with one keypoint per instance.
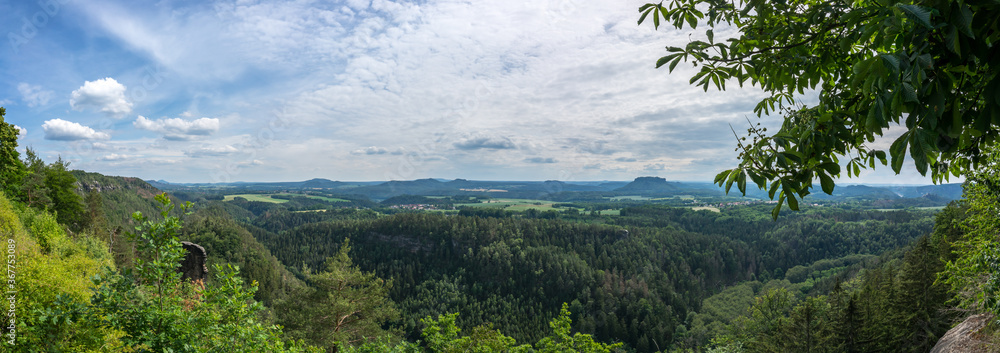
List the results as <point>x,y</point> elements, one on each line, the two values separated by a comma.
<point>213,91</point>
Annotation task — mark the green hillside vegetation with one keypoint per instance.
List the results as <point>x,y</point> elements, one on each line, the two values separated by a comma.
<point>47,315</point>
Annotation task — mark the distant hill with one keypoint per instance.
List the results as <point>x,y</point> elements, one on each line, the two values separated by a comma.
<point>937,194</point>
<point>864,191</point>
<point>566,191</point>
<point>650,185</point>
<point>949,191</point>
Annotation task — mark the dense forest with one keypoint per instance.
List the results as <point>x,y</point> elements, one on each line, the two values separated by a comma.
<point>634,280</point>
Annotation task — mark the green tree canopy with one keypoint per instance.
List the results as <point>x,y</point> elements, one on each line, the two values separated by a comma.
<point>11,168</point>
<point>927,66</point>
<point>341,306</point>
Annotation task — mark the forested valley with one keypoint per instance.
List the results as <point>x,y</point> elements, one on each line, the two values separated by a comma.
<point>652,278</point>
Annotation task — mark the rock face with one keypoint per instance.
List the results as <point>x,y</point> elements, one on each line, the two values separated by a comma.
<point>193,266</point>
<point>965,337</point>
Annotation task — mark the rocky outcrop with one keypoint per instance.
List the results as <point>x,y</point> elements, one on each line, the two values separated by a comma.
<point>193,266</point>
<point>87,182</point>
<point>965,337</point>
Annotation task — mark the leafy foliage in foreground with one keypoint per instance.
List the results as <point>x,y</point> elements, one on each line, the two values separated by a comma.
<point>66,302</point>
<point>928,66</point>
<point>975,274</point>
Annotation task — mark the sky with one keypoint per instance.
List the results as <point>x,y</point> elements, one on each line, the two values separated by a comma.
<point>359,90</point>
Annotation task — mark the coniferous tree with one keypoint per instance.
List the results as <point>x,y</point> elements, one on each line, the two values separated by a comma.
<point>341,306</point>
<point>923,301</point>
<point>807,330</point>
<point>36,193</point>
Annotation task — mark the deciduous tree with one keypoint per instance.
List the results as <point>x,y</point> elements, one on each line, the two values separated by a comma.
<point>929,67</point>
<point>11,168</point>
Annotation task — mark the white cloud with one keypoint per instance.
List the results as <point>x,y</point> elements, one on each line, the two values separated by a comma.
<point>105,95</point>
<point>34,95</point>
<point>21,132</point>
<point>178,129</point>
<point>62,130</point>
<point>114,157</point>
<point>211,151</point>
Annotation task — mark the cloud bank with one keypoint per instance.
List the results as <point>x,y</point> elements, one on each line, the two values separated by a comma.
<point>178,129</point>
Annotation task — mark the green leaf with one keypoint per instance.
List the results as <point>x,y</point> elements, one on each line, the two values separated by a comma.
<point>697,76</point>
<point>920,149</point>
<point>891,62</point>
<point>963,20</point>
<point>673,64</point>
<point>917,13</point>
<point>826,182</point>
<point>741,183</point>
<point>898,150</point>
<point>793,155</point>
<point>881,156</point>
<point>664,60</point>
<point>692,20</point>
<point>831,167</point>
<point>731,179</point>
<point>909,93</point>
<point>757,178</point>
<point>792,202</point>
<point>951,40</point>
<point>721,177</point>
<point>777,208</point>
<point>711,36</point>
<point>772,190</point>
<point>956,118</point>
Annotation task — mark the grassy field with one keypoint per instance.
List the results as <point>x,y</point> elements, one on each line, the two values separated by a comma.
<point>710,208</point>
<point>324,198</point>
<point>611,212</point>
<point>255,197</point>
<point>267,197</point>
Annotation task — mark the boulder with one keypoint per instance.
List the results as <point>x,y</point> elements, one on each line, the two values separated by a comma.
<point>965,337</point>
<point>193,266</point>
